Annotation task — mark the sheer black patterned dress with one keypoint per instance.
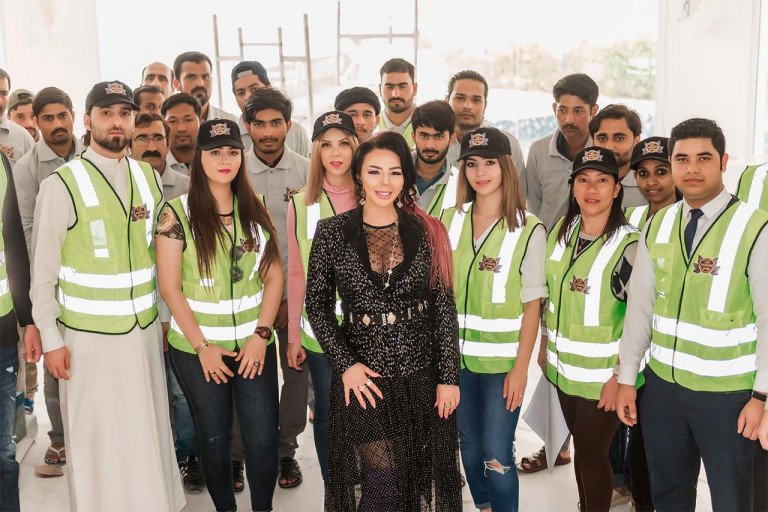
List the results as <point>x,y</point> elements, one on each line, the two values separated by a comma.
<point>399,456</point>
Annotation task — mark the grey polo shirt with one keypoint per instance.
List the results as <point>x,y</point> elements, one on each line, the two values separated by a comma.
<point>296,139</point>
<point>172,163</point>
<point>641,296</point>
<point>15,141</point>
<point>174,183</point>
<point>30,170</point>
<point>517,152</point>
<point>632,195</point>
<point>277,184</point>
<point>217,113</point>
<point>545,180</point>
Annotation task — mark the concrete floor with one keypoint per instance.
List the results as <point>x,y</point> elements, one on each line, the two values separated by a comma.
<point>539,492</point>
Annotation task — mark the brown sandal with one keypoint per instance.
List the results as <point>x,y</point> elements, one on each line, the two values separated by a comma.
<point>538,462</point>
<point>238,481</point>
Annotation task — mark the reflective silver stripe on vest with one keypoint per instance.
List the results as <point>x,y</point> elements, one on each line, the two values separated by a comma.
<point>228,333</point>
<point>226,306</point>
<point>756,189</point>
<point>146,196</point>
<point>592,300</point>
<point>637,215</point>
<point>584,348</point>
<point>4,287</point>
<point>482,349</point>
<point>508,246</point>
<point>699,366</point>
<point>84,185</point>
<point>457,223</point>
<point>708,337</point>
<point>313,217</point>
<point>449,193</point>
<point>577,374</point>
<point>718,291</point>
<point>478,323</point>
<point>667,223</point>
<point>307,328</point>
<point>559,250</point>
<point>107,308</point>
<point>207,282</point>
<point>102,281</point>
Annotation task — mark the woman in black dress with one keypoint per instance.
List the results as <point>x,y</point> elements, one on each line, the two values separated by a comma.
<point>395,356</point>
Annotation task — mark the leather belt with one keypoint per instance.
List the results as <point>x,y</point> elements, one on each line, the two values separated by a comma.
<point>390,317</point>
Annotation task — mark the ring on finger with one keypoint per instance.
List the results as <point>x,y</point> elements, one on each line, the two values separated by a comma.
<point>369,383</point>
<point>361,387</point>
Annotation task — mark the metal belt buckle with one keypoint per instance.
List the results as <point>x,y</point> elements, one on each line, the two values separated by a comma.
<point>391,318</point>
<point>366,320</point>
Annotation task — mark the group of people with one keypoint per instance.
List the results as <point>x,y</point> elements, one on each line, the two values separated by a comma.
<point>399,264</point>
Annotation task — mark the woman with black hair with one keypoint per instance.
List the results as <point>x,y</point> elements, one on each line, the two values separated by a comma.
<point>395,354</point>
<point>653,173</point>
<point>220,275</point>
<point>589,262</point>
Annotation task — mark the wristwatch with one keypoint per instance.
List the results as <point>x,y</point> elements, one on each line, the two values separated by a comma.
<point>759,396</point>
<point>263,332</point>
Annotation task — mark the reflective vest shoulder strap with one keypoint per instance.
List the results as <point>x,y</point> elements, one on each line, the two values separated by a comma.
<point>84,184</point>
<point>449,195</point>
<point>457,222</point>
<point>637,215</point>
<point>667,223</point>
<point>758,185</point>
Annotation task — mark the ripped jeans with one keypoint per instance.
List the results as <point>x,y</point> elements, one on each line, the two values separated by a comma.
<point>486,438</point>
<point>9,468</point>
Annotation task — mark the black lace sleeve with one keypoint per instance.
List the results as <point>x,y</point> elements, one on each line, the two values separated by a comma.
<point>446,326</point>
<point>320,298</point>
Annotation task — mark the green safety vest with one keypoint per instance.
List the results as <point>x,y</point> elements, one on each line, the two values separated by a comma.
<point>226,312</point>
<point>307,218</point>
<point>408,134</point>
<point>6,301</point>
<point>753,186</point>
<point>704,334</point>
<point>637,216</point>
<point>107,279</point>
<point>445,195</point>
<point>584,319</point>
<point>488,283</point>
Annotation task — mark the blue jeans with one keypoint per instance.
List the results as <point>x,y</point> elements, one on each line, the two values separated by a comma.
<point>9,468</point>
<point>321,383</point>
<point>486,439</point>
<point>681,428</point>
<point>185,436</point>
<point>212,404</point>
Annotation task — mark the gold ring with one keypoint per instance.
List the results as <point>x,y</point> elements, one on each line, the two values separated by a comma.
<point>447,405</point>
<point>256,364</point>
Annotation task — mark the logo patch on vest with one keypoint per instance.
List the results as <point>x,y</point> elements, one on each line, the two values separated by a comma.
<point>139,212</point>
<point>706,266</point>
<point>653,146</point>
<point>592,155</point>
<point>220,129</point>
<point>490,264</point>
<point>579,285</point>
<point>8,150</point>
<point>478,139</point>
<point>115,88</point>
<point>289,193</point>
<point>252,246</point>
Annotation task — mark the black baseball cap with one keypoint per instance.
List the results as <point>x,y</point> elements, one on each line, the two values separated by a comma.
<point>652,148</point>
<point>217,133</point>
<point>599,159</point>
<point>333,119</point>
<point>354,95</point>
<point>105,94</point>
<point>487,142</point>
<point>249,67</point>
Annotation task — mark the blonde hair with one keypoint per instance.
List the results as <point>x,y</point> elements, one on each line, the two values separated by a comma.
<point>512,200</point>
<point>317,171</point>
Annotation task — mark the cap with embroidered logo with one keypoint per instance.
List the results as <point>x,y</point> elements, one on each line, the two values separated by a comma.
<point>652,148</point>
<point>105,94</point>
<point>217,133</point>
<point>596,158</point>
<point>487,142</point>
<point>333,119</point>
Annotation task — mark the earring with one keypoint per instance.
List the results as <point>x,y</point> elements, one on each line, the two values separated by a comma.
<point>362,197</point>
<point>399,202</point>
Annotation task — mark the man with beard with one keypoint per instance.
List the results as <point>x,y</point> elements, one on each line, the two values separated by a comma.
<point>193,76</point>
<point>364,106</point>
<point>249,76</point>
<point>159,75</point>
<point>14,140</point>
<point>182,113</point>
<point>398,87</point>
<point>433,125</point>
<point>550,158</point>
<point>149,98</point>
<point>20,111</point>
<point>277,172</point>
<point>94,275</point>
<point>468,96</point>
<point>617,128</point>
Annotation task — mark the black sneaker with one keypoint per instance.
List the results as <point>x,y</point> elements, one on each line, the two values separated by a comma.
<point>191,476</point>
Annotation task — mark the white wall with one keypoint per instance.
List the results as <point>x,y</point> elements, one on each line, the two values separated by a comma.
<point>51,43</point>
<point>707,67</point>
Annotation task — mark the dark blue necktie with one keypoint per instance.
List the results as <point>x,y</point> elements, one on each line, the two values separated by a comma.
<point>690,229</point>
